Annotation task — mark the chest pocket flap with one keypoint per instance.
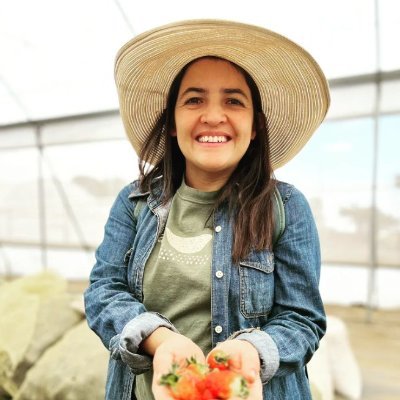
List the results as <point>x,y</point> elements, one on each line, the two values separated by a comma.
<point>256,284</point>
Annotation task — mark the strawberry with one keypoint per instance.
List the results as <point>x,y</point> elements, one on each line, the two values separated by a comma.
<point>186,383</point>
<point>218,359</point>
<point>224,384</point>
<point>195,381</point>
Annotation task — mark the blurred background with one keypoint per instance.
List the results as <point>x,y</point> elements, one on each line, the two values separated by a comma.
<point>64,155</point>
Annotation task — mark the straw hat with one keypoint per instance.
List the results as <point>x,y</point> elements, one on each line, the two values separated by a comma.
<point>294,91</point>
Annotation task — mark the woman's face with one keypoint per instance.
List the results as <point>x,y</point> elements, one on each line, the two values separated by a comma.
<point>213,121</point>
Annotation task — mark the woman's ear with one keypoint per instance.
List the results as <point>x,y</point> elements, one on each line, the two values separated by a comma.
<point>173,133</point>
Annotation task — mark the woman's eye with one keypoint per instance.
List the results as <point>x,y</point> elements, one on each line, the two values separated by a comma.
<point>236,102</point>
<point>193,100</point>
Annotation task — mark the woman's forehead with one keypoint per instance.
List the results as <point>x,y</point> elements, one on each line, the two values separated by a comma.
<point>206,71</point>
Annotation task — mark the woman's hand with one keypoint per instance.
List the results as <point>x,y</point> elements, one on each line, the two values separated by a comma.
<point>168,348</point>
<point>244,359</point>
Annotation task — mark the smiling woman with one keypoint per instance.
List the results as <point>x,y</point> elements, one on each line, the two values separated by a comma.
<point>190,258</point>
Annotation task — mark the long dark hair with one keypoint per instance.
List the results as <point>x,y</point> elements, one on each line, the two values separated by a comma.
<point>248,191</point>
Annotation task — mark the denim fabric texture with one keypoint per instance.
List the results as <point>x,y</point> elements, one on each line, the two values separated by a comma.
<point>271,299</point>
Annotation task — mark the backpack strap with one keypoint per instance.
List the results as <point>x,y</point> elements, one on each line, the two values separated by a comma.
<point>138,207</point>
<point>136,211</point>
<point>279,217</point>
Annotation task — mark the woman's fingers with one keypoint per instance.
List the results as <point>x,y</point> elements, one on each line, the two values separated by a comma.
<point>161,392</point>
<point>176,349</point>
<point>243,357</point>
<point>256,390</point>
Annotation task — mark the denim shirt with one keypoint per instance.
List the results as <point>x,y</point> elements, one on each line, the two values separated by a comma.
<point>270,299</point>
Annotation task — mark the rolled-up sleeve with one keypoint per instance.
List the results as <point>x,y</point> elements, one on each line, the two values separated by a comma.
<point>125,346</point>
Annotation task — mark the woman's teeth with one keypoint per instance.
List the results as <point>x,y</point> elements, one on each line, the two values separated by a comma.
<point>212,139</point>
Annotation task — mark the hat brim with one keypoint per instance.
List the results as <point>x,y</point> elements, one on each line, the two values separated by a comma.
<point>294,91</point>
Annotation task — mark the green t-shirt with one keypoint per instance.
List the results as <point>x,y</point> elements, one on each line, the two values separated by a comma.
<point>177,276</point>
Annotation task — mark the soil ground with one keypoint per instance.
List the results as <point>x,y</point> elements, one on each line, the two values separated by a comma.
<point>375,339</point>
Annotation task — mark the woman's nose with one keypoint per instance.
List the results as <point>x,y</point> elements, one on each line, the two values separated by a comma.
<point>213,115</point>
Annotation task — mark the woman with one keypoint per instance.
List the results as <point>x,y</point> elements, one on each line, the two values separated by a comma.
<point>189,260</point>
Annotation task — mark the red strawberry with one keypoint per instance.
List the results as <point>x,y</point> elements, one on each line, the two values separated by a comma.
<point>218,359</point>
<point>224,384</point>
<point>186,383</point>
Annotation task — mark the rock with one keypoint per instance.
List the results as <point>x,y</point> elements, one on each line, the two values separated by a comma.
<point>346,373</point>
<point>75,368</point>
<point>333,368</point>
<point>320,374</point>
<point>34,313</point>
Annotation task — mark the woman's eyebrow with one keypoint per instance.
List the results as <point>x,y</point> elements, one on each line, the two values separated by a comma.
<point>194,89</point>
<point>235,91</point>
<point>224,90</point>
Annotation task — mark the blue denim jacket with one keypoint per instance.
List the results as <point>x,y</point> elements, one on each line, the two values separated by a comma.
<point>270,299</point>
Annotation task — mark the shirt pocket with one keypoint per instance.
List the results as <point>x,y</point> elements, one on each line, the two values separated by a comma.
<point>257,285</point>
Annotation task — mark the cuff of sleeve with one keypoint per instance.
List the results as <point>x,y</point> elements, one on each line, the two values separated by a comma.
<point>267,350</point>
<point>125,346</point>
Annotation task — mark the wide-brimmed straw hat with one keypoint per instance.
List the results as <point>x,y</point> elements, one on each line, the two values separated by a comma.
<point>294,91</point>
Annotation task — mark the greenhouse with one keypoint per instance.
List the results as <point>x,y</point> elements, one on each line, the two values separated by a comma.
<point>64,157</point>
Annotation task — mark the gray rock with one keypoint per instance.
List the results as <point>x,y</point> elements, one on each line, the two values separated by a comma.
<point>75,368</point>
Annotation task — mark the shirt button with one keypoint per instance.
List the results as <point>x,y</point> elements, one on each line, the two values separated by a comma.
<point>219,274</point>
<point>218,228</point>
<point>218,329</point>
